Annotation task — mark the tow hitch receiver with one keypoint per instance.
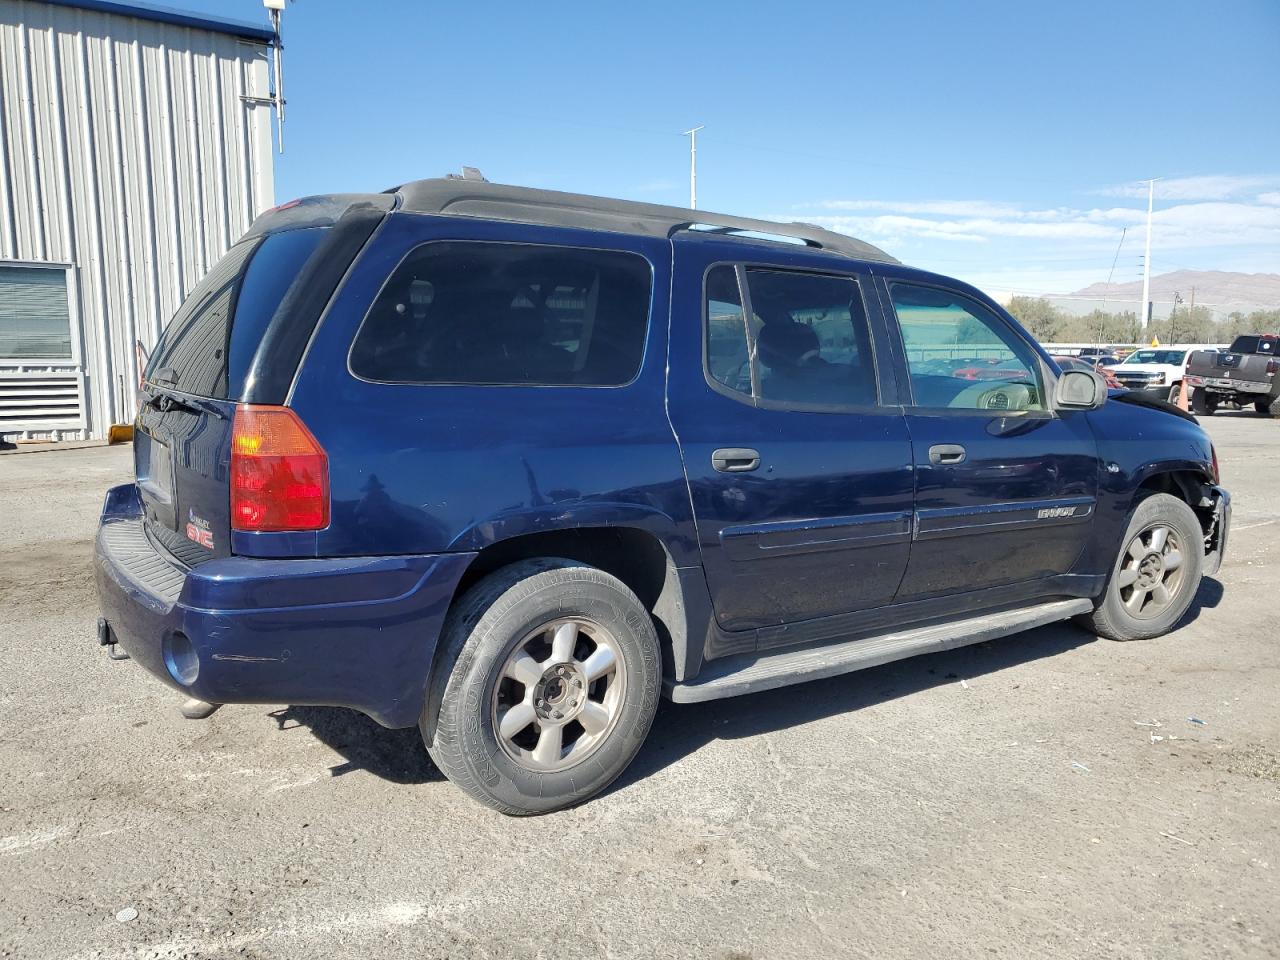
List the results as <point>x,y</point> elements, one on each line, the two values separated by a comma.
<point>108,639</point>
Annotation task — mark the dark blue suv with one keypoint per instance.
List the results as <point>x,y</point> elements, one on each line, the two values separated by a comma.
<point>507,464</point>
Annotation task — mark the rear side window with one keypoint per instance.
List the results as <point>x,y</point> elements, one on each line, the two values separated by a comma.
<point>208,346</point>
<point>474,312</point>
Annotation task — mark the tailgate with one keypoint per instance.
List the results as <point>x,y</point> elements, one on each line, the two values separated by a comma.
<point>181,455</point>
<point>200,370</point>
<point>1224,364</point>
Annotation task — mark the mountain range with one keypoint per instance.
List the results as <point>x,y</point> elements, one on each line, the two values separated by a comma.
<point>1213,288</point>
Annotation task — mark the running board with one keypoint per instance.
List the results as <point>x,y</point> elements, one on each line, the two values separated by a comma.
<point>751,673</point>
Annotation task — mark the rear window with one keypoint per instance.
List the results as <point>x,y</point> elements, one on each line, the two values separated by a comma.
<point>209,344</point>
<point>474,312</point>
<point>1249,344</point>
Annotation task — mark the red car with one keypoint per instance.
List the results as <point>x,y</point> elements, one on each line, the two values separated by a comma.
<point>1075,363</point>
<point>992,371</point>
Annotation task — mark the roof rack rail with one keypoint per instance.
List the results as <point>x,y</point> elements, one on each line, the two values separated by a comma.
<point>480,198</point>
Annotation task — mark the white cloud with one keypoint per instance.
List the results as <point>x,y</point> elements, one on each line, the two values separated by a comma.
<point>1272,198</point>
<point>1180,226</point>
<point>1209,187</point>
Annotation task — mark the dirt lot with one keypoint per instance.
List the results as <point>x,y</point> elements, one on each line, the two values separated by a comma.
<point>1045,795</point>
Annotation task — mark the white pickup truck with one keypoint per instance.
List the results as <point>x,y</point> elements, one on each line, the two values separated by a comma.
<point>1157,370</point>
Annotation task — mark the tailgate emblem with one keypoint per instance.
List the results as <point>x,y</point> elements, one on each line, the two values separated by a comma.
<point>198,530</point>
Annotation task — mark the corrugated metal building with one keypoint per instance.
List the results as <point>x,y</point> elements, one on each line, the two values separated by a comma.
<point>135,148</point>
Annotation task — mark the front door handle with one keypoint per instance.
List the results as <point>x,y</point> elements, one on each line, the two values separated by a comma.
<point>735,459</point>
<point>947,454</point>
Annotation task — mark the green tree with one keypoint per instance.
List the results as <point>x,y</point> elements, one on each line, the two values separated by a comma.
<point>1039,316</point>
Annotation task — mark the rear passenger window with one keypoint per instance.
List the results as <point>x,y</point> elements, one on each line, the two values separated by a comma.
<point>728,359</point>
<point>471,312</point>
<point>803,340</point>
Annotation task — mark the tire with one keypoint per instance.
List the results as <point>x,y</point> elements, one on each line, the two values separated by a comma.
<point>1204,403</point>
<point>1263,407</point>
<point>492,674</point>
<point>1118,616</point>
<point>1175,394</point>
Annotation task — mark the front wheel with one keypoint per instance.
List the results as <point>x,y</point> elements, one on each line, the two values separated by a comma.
<point>548,686</point>
<point>1157,573</point>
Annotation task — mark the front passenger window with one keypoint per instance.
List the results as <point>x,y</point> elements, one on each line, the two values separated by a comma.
<point>961,355</point>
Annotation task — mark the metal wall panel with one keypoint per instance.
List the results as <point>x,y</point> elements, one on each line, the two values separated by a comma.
<point>128,151</point>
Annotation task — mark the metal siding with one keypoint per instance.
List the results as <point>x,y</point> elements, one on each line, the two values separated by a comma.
<point>126,151</point>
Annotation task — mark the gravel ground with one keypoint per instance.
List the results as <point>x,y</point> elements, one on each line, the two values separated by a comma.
<point>1043,795</point>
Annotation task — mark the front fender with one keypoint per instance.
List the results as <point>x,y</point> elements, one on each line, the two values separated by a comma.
<point>1136,445</point>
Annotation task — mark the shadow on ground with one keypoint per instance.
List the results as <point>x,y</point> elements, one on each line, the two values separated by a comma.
<point>682,729</point>
<point>395,755</point>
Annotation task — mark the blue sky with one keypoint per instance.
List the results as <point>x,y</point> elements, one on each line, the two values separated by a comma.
<point>1000,142</point>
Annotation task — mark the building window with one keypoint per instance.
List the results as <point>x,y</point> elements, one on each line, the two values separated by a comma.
<point>34,320</point>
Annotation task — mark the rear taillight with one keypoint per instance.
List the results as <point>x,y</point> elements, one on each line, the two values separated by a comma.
<point>279,473</point>
<point>1271,368</point>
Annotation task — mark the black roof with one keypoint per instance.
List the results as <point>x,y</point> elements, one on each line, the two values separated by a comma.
<point>456,196</point>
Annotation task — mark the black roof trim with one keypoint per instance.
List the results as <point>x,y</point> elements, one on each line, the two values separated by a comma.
<point>474,198</point>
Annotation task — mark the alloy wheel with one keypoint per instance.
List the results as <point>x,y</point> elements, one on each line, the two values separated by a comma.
<point>559,695</point>
<point>1151,572</point>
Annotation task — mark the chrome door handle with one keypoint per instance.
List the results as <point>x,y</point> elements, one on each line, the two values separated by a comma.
<point>947,454</point>
<point>735,459</point>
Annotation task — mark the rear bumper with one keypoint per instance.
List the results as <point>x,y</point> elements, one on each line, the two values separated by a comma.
<point>1228,385</point>
<point>355,632</point>
<point>1216,541</point>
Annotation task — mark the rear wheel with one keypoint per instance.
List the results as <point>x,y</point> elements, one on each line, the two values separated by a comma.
<point>1203,402</point>
<point>1157,573</point>
<point>548,687</point>
<point>1263,407</point>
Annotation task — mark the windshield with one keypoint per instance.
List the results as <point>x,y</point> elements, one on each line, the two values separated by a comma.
<point>1171,357</point>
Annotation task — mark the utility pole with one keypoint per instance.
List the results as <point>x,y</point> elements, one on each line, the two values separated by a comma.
<point>1146,260</point>
<point>274,9</point>
<point>693,164</point>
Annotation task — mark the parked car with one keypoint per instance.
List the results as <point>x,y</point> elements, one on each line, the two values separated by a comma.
<point>1100,361</point>
<point>1078,363</point>
<point>1157,370</point>
<point>1243,374</point>
<point>508,465</point>
<point>992,368</point>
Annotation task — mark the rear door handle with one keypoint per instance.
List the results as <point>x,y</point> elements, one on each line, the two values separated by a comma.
<point>946,454</point>
<point>735,459</point>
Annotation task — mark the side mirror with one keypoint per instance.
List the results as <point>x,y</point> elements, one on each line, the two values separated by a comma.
<point>1081,390</point>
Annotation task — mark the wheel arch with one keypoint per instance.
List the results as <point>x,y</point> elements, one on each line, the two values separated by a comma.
<point>636,555</point>
<point>1186,481</point>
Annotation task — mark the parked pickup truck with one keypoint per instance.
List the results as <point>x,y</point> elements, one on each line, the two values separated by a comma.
<point>1157,371</point>
<point>1244,373</point>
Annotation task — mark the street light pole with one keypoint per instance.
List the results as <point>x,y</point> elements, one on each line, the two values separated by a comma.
<point>693,165</point>
<point>1146,260</point>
